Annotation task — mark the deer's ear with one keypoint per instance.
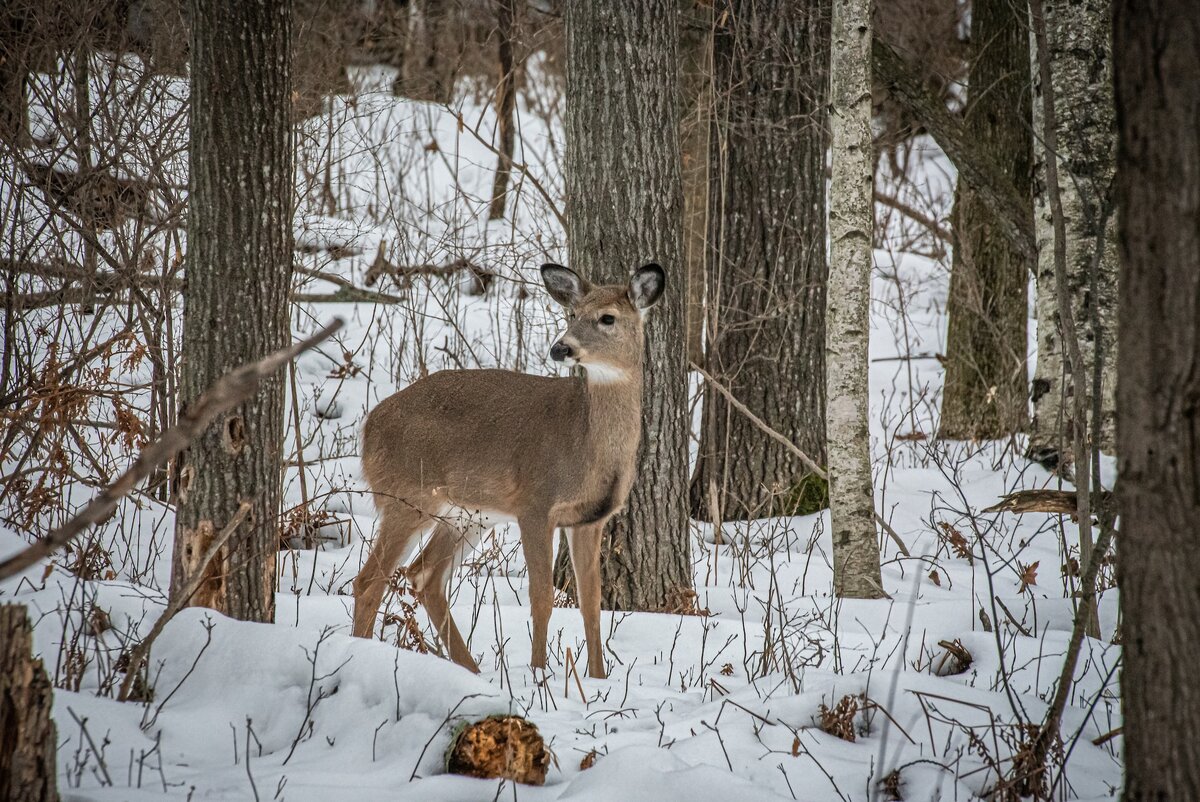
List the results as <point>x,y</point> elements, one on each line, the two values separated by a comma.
<point>646,286</point>
<point>564,284</point>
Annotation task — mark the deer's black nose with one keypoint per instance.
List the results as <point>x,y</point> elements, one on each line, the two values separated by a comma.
<point>560,351</point>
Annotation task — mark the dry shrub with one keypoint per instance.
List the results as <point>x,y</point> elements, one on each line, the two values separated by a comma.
<point>685,601</point>
<point>889,786</point>
<point>955,660</point>
<point>508,747</point>
<point>409,634</point>
<point>88,561</point>
<point>838,721</point>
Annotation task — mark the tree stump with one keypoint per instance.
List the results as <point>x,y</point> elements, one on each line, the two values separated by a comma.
<point>27,735</point>
<point>507,747</point>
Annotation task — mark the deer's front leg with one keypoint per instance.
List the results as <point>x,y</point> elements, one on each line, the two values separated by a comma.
<point>538,544</point>
<point>585,559</point>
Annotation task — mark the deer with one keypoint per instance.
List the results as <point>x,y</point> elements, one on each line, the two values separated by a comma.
<point>460,451</point>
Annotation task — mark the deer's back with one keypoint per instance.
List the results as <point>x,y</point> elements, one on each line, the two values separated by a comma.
<point>480,436</point>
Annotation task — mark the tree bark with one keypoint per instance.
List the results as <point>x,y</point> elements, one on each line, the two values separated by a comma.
<point>1156,50</point>
<point>851,229</point>
<point>696,81</point>
<point>506,103</point>
<point>766,263</point>
<point>27,735</point>
<point>624,208</point>
<point>236,307</point>
<point>14,72</point>
<point>1080,54</point>
<point>985,393</point>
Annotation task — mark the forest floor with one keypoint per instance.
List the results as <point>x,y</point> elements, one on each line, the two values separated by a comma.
<point>744,700</point>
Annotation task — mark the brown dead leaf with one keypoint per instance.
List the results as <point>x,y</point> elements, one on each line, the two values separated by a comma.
<point>796,746</point>
<point>957,543</point>
<point>1028,575</point>
<point>935,578</point>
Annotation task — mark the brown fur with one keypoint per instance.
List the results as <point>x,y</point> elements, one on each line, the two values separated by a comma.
<point>547,452</point>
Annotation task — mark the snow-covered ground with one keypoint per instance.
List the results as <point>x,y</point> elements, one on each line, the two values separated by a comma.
<point>725,705</point>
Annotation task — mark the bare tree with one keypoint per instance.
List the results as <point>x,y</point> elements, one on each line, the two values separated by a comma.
<point>985,393</point>
<point>1080,54</point>
<point>851,226</point>
<point>624,208</point>
<point>1156,52</point>
<point>236,306</point>
<point>766,260</point>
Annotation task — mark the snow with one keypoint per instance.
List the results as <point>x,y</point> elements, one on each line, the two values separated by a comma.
<point>697,707</point>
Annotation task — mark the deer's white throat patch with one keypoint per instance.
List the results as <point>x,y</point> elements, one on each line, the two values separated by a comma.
<point>604,373</point>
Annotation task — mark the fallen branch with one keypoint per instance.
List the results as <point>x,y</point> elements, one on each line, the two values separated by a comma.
<point>230,390</point>
<point>1058,502</point>
<point>808,461</point>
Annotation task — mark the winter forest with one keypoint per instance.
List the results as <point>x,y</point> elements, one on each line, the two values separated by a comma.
<point>600,400</point>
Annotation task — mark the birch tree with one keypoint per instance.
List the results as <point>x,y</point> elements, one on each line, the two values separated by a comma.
<point>851,225</point>
<point>1079,42</point>
<point>236,305</point>
<point>1156,51</point>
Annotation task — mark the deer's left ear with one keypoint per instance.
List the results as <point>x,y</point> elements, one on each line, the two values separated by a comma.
<point>646,286</point>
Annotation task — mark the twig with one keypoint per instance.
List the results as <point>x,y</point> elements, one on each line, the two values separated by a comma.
<point>230,390</point>
<point>178,600</point>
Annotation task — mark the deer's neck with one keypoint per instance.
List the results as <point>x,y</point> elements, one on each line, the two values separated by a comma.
<point>614,416</point>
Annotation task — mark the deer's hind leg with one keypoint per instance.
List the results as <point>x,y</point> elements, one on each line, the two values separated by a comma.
<point>399,525</point>
<point>430,574</point>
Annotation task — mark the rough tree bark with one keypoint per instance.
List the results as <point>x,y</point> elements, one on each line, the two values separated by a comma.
<point>27,736</point>
<point>1080,53</point>
<point>985,393</point>
<point>624,208</point>
<point>1156,52</point>
<point>236,308</point>
<point>695,57</point>
<point>851,228</point>
<point>766,260</point>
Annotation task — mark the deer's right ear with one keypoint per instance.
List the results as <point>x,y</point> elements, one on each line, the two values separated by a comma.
<point>563,284</point>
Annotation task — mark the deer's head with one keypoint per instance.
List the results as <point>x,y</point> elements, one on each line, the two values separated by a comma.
<point>604,324</point>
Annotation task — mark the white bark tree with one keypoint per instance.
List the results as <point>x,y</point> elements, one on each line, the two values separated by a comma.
<point>851,222</point>
<point>1079,39</point>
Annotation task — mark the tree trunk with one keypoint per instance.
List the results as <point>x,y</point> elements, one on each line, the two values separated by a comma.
<point>767,269</point>
<point>624,207</point>
<point>236,308</point>
<point>506,103</point>
<point>27,736</point>
<point>695,76</point>
<point>1156,49</point>
<point>14,71</point>
<point>985,393</point>
<point>851,235</point>
<point>1080,53</point>
<point>434,50</point>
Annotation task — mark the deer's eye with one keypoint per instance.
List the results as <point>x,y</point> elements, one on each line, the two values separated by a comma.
<point>607,320</point>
